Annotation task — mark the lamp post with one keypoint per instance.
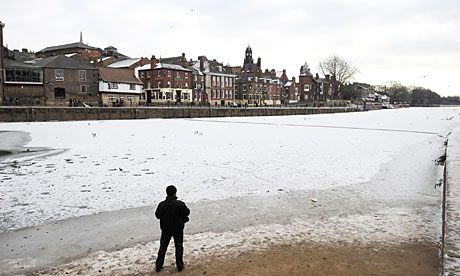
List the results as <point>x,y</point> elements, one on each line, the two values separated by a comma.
<point>2,71</point>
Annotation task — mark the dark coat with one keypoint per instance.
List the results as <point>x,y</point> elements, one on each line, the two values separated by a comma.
<point>172,214</point>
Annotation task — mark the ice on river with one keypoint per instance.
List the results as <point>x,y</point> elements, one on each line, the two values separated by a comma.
<point>97,166</point>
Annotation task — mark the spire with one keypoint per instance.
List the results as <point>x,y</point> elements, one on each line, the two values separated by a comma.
<point>81,37</point>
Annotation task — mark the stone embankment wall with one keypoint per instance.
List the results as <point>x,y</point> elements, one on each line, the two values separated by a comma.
<point>451,223</point>
<point>35,114</point>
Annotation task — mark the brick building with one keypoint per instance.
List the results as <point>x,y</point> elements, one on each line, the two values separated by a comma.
<point>53,80</point>
<point>305,86</point>
<point>165,82</point>
<point>255,87</point>
<point>219,82</point>
<point>87,52</point>
<point>67,79</point>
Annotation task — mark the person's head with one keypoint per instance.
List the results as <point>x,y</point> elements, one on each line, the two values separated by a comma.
<point>171,190</point>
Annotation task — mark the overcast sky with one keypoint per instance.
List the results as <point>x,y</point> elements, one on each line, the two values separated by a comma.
<point>413,42</point>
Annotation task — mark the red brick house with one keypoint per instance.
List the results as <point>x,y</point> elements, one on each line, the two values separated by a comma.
<point>165,82</point>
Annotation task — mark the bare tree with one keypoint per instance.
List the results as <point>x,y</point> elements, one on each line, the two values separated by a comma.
<point>340,70</point>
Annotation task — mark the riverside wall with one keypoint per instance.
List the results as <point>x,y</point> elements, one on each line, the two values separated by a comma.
<point>40,114</point>
<point>451,208</point>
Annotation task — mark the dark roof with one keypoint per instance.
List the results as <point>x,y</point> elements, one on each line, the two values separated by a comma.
<point>171,60</point>
<point>216,67</point>
<point>9,63</point>
<point>69,46</point>
<point>63,62</point>
<point>118,75</point>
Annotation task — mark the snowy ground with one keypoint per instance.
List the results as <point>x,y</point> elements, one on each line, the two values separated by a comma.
<point>373,174</point>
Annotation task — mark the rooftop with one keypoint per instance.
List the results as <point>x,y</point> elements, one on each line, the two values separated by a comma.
<point>118,75</point>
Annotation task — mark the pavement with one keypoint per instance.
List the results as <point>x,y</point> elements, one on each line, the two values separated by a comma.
<point>451,258</point>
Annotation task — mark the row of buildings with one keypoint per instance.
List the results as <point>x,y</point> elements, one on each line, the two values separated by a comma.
<point>79,74</point>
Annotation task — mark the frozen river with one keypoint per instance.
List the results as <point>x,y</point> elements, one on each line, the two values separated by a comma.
<point>366,176</point>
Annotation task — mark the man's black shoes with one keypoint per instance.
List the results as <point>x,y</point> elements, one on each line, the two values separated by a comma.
<point>180,268</point>
<point>158,269</point>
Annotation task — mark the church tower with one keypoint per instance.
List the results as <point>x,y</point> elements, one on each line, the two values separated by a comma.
<point>248,58</point>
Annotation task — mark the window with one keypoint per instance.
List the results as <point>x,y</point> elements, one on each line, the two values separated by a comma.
<point>142,74</point>
<point>60,74</point>
<point>186,75</point>
<point>306,87</point>
<point>148,75</point>
<point>177,75</point>
<point>230,81</point>
<point>230,94</point>
<point>113,85</point>
<point>132,86</point>
<point>23,75</point>
<point>194,85</point>
<point>244,87</point>
<point>213,93</point>
<point>112,99</point>
<point>82,75</point>
<point>218,81</point>
<point>226,82</point>
<point>169,73</point>
<point>83,89</point>
<point>130,99</point>
<point>202,78</point>
<point>218,93</point>
<point>250,87</point>
<point>59,93</point>
<point>213,80</point>
<point>195,78</point>
<point>148,85</point>
<point>185,96</point>
<point>159,84</point>
<point>169,84</point>
<point>159,73</point>
<point>186,85</point>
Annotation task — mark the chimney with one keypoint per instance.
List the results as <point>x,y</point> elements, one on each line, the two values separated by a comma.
<point>24,50</point>
<point>266,71</point>
<point>214,60</point>
<point>183,60</point>
<point>201,58</point>
<point>153,61</point>
<point>317,76</point>
<point>328,77</point>
<point>284,71</point>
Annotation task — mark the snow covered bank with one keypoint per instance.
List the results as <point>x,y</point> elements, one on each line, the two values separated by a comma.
<point>375,229</point>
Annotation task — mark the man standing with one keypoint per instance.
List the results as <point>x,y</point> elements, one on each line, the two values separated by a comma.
<point>173,214</point>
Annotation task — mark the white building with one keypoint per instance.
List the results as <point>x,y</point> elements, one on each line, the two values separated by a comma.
<point>119,87</point>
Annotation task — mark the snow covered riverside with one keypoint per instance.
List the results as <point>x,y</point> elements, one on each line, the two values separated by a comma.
<point>249,182</point>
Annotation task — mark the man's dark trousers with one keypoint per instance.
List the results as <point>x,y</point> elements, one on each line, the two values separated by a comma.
<point>164,242</point>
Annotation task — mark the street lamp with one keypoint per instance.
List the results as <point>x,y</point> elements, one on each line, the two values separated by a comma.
<point>2,71</point>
